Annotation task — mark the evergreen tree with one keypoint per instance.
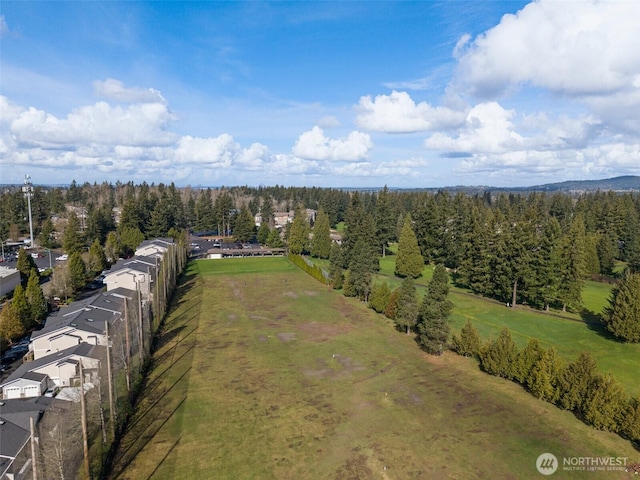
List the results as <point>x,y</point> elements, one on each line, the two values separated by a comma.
<point>385,218</point>
<point>468,343</point>
<point>528,357</point>
<point>391,309</point>
<point>607,248</point>
<point>71,237</point>
<point>263,233</point>
<point>112,247</point>
<point>499,357</point>
<point>20,307</point>
<point>361,270</point>
<point>572,262</point>
<point>429,227</point>
<point>274,240</point>
<point>35,298</point>
<point>97,258</point>
<point>321,241</point>
<point>605,404</point>
<point>129,240</point>
<point>266,211</point>
<point>10,325</point>
<point>204,212</point>
<point>299,233</point>
<point>25,265</point>
<point>379,298</point>
<point>244,229</point>
<point>77,270</point>
<point>409,260</point>
<point>543,378</point>
<point>630,426</point>
<point>45,239</point>
<point>433,317</point>
<point>407,310</point>
<point>335,267</point>
<point>222,208</point>
<point>576,381</point>
<point>622,316</point>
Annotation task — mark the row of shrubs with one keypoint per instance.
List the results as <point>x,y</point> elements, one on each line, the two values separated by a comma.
<point>597,399</point>
<point>309,267</point>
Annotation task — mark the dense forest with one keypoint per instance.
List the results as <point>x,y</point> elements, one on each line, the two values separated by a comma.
<point>532,248</point>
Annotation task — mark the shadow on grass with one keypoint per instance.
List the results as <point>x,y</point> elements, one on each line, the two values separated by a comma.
<point>594,322</point>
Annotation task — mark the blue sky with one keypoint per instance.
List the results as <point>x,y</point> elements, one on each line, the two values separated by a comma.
<point>331,94</point>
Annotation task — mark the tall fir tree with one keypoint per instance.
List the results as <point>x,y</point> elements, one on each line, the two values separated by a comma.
<point>20,307</point>
<point>244,229</point>
<point>77,270</point>
<point>406,314</point>
<point>385,217</point>
<point>321,241</point>
<point>576,381</point>
<point>572,263</point>
<point>25,265</point>
<point>10,325</point>
<point>298,238</point>
<point>35,298</point>
<point>72,236</point>
<point>409,260</point>
<point>622,315</point>
<point>433,317</point>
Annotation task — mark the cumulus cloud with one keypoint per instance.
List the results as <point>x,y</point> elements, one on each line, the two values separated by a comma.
<point>314,145</point>
<point>577,48</point>
<point>115,90</point>
<point>139,124</point>
<point>488,128</point>
<point>398,113</point>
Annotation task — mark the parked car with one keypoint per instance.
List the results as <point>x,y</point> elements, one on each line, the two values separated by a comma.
<point>62,257</point>
<point>51,392</point>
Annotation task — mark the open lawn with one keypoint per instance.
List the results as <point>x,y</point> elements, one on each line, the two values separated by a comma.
<point>271,375</point>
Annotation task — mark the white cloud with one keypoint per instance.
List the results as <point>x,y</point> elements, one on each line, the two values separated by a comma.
<point>140,124</point>
<point>488,128</point>
<point>314,145</point>
<point>115,90</point>
<point>398,113</point>
<point>576,48</point>
<point>8,111</point>
<point>211,152</point>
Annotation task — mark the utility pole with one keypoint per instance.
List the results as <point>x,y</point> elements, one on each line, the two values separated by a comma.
<point>27,190</point>
<point>142,352</point>
<point>83,420</point>
<point>112,414</point>
<point>34,463</point>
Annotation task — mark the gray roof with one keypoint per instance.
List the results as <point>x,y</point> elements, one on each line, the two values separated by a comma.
<point>87,315</point>
<point>80,350</point>
<point>13,440</point>
<point>18,411</point>
<point>15,429</point>
<point>140,263</point>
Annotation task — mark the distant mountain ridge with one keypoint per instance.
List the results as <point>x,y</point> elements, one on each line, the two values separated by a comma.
<point>624,183</point>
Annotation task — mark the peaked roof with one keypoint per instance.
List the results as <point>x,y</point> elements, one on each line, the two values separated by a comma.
<point>86,315</point>
<point>25,371</point>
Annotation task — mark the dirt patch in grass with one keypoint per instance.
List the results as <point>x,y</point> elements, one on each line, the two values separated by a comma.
<point>320,332</point>
<point>286,336</point>
<point>290,294</point>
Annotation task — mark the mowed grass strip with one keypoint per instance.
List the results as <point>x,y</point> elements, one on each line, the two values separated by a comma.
<point>282,378</point>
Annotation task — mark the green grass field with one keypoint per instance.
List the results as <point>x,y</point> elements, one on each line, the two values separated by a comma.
<point>264,373</point>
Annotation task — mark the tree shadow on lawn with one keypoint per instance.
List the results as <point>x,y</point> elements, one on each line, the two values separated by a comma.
<point>594,322</point>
